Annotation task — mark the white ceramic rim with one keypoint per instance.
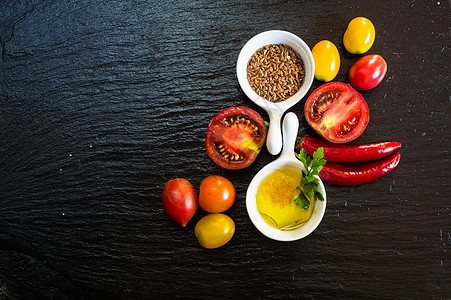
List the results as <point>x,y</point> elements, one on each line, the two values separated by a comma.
<point>275,37</point>
<point>262,225</point>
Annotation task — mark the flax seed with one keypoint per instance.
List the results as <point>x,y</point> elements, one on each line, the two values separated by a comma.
<point>275,72</point>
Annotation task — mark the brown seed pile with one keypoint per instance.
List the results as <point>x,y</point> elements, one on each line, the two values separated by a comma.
<point>275,72</point>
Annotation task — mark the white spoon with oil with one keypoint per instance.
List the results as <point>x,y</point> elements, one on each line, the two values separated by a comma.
<point>287,159</point>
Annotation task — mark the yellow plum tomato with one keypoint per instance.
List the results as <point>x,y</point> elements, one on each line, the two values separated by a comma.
<point>327,60</point>
<point>217,194</point>
<point>179,200</point>
<point>214,230</point>
<point>359,36</point>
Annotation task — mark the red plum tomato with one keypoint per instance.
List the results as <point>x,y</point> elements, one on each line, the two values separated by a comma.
<point>367,72</point>
<point>337,112</point>
<point>217,194</point>
<point>235,137</point>
<point>179,200</point>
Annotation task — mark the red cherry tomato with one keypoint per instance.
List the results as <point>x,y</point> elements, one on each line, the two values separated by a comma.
<point>367,72</point>
<point>179,200</point>
<point>235,137</point>
<point>337,112</point>
<point>217,194</point>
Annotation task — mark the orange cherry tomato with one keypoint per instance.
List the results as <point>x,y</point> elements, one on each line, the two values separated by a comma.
<point>217,194</point>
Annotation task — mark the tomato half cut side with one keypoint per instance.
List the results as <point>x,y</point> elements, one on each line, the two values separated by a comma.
<point>337,112</point>
<point>235,137</point>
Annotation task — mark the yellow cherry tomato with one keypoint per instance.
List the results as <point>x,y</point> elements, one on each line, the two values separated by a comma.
<point>359,36</point>
<point>327,60</point>
<point>214,230</point>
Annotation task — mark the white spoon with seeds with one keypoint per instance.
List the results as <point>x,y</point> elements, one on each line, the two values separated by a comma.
<point>275,110</point>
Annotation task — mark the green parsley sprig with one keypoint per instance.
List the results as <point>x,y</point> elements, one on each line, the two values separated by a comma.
<point>309,182</point>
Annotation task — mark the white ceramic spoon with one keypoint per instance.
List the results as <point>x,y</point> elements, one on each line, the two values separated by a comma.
<point>275,110</point>
<point>287,159</point>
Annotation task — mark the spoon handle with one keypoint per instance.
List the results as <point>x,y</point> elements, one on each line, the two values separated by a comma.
<point>289,133</point>
<point>274,138</point>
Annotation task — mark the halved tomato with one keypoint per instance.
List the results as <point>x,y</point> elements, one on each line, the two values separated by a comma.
<point>235,136</point>
<point>337,112</point>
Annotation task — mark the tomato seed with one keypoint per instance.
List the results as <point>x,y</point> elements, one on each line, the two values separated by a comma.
<point>323,103</point>
<point>228,153</point>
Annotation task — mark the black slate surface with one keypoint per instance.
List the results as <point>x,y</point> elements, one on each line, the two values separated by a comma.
<point>102,102</point>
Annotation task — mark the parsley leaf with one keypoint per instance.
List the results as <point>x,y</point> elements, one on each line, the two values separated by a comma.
<point>309,182</point>
<point>302,200</point>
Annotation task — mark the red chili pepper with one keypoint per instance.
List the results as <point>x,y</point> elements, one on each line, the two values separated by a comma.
<point>348,153</point>
<point>358,174</point>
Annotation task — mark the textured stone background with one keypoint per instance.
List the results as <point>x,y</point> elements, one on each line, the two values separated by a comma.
<point>102,102</point>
